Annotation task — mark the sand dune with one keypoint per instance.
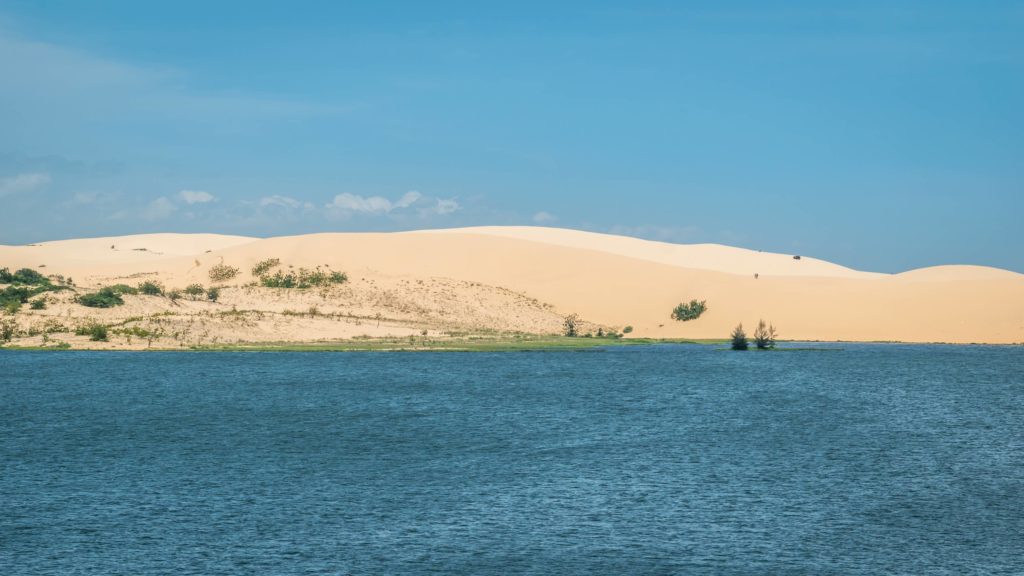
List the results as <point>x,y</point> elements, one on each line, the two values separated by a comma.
<point>527,278</point>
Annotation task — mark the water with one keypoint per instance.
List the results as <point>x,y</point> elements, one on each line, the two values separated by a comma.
<point>868,459</point>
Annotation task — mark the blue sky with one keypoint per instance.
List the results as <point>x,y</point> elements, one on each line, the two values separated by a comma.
<point>881,135</point>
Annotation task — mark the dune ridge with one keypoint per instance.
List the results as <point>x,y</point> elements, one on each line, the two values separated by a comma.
<point>526,279</point>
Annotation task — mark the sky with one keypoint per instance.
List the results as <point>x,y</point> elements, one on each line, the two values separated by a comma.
<point>884,136</point>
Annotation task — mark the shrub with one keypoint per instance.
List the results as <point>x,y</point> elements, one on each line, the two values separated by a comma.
<point>304,278</point>
<point>8,327</point>
<point>691,311</point>
<point>212,293</point>
<point>23,276</point>
<point>104,298</point>
<point>764,336</point>
<point>174,295</point>
<point>12,297</point>
<point>739,338</point>
<point>121,289</point>
<point>264,266</point>
<point>194,291</point>
<point>150,288</point>
<point>39,304</point>
<point>222,273</point>
<point>627,329</point>
<point>95,331</point>
<point>570,326</point>
<point>279,280</point>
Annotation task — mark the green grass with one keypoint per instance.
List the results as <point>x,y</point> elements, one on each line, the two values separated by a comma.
<point>480,344</point>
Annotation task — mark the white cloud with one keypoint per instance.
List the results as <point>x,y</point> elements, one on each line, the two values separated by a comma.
<point>158,209</point>
<point>544,217</point>
<point>284,202</point>
<point>408,199</point>
<point>446,206</point>
<point>353,203</point>
<point>23,183</point>
<point>195,197</point>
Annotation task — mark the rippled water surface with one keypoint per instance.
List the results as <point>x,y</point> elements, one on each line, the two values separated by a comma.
<point>862,459</point>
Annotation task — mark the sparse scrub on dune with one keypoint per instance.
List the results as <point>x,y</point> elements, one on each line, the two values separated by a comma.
<point>222,273</point>
<point>124,289</point>
<point>103,298</point>
<point>627,329</point>
<point>570,325</point>
<point>23,284</point>
<point>212,293</point>
<point>174,295</point>
<point>264,266</point>
<point>151,288</point>
<point>692,311</point>
<point>38,304</point>
<point>95,331</point>
<point>303,278</point>
<point>8,328</point>
<point>26,276</point>
<point>194,291</point>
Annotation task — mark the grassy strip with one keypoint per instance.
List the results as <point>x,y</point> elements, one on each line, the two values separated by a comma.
<point>525,343</point>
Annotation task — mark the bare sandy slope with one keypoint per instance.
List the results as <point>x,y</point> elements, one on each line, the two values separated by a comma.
<point>526,279</point>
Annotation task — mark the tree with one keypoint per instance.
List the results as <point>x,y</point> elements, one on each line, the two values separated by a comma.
<point>151,288</point>
<point>194,291</point>
<point>764,336</point>
<point>739,338</point>
<point>570,326</point>
<point>691,311</point>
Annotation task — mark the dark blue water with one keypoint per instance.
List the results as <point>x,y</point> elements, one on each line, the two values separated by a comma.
<point>657,460</point>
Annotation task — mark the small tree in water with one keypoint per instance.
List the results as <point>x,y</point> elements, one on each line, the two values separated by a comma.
<point>764,336</point>
<point>739,338</point>
<point>571,325</point>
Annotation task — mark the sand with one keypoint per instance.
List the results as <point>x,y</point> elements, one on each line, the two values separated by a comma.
<point>504,279</point>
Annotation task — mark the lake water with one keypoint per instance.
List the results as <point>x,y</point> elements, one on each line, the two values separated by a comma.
<point>860,459</point>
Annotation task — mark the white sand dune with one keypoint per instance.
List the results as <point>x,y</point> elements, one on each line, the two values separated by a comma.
<point>610,281</point>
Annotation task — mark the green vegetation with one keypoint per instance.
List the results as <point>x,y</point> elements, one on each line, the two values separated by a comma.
<point>264,266</point>
<point>570,326</point>
<point>738,338</point>
<point>8,328</point>
<point>174,295</point>
<point>764,336</point>
<point>121,289</point>
<point>95,331</point>
<point>514,343</point>
<point>691,311</point>
<point>104,298</point>
<point>627,329</point>
<point>194,291</point>
<point>222,273</point>
<point>25,276</point>
<point>212,293</point>
<point>151,288</point>
<point>39,304</point>
<point>23,284</point>
<point>304,278</point>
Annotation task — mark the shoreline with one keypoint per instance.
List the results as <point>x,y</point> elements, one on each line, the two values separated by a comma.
<point>483,344</point>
